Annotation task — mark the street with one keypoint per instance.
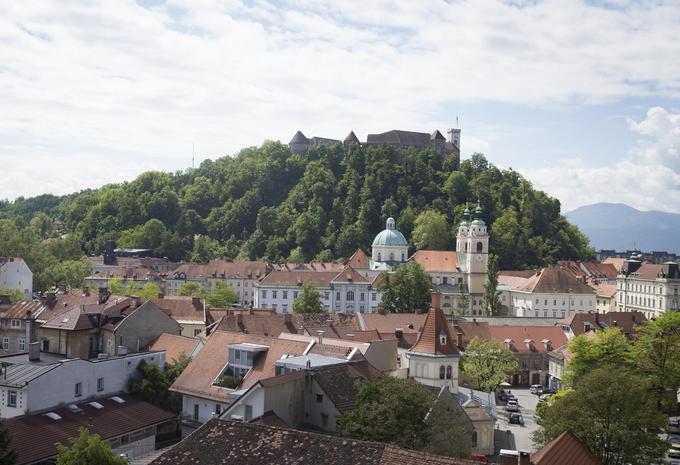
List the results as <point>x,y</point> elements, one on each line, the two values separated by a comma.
<point>527,406</point>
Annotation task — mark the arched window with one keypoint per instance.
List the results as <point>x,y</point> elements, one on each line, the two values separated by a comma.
<point>402,257</point>
<point>480,247</point>
<point>441,371</point>
<point>466,248</point>
<point>350,296</point>
<point>391,256</point>
<point>379,257</point>
<point>449,372</point>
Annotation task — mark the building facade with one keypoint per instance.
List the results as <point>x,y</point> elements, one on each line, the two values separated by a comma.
<point>648,288</point>
<point>15,274</point>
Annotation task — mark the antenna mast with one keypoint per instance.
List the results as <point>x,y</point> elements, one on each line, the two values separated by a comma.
<point>193,154</point>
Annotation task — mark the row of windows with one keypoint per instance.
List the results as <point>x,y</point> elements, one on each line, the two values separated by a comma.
<point>554,301</point>
<point>635,287</point>
<point>349,295</point>
<point>403,257</point>
<point>22,343</point>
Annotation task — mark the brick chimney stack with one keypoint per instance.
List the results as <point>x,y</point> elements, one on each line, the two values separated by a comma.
<point>436,300</point>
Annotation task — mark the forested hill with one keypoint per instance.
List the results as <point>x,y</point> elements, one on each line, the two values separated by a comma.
<point>266,203</point>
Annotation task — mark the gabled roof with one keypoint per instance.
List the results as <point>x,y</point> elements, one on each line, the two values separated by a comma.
<point>408,138</point>
<point>358,260</point>
<point>519,334</point>
<point>430,341</point>
<point>551,280</point>
<point>627,321</point>
<point>197,379</point>
<point>565,449</point>
<point>222,269</point>
<point>437,260</point>
<point>20,310</point>
<point>174,345</point>
<point>387,323</point>
<point>615,262</point>
<point>351,138</point>
<point>349,275</point>
<point>436,135</point>
<point>246,443</point>
<point>338,382</point>
<point>74,319</point>
<point>181,308</point>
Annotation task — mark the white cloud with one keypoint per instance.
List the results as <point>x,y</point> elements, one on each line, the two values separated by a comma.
<point>136,86</point>
<point>649,179</point>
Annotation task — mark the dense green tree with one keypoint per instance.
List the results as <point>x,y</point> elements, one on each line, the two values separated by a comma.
<point>15,295</point>
<point>491,299</point>
<point>308,300</point>
<point>267,203</point>
<point>608,347</point>
<point>407,290</point>
<point>152,383</point>
<point>115,286</point>
<point>611,410</point>
<point>193,289</point>
<point>486,363</point>
<point>657,355</point>
<point>406,413</point>
<point>222,296</point>
<point>149,291</point>
<point>8,455</point>
<point>431,231</point>
<point>88,449</point>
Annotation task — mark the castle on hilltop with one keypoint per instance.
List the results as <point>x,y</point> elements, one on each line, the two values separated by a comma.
<point>396,138</point>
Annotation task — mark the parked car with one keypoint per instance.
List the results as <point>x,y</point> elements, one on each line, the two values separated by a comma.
<point>510,397</point>
<point>674,452</point>
<point>536,389</point>
<point>546,396</point>
<point>516,418</point>
<point>512,406</point>
<point>673,440</point>
<point>673,426</point>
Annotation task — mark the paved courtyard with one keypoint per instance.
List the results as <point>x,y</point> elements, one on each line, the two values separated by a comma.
<point>520,434</point>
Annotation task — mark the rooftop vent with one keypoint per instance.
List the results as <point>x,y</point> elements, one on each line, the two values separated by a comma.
<point>117,400</point>
<point>53,416</point>
<point>96,405</point>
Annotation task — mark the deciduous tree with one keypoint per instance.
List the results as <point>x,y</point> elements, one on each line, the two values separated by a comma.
<point>308,300</point>
<point>88,449</point>
<point>487,363</point>
<point>407,290</point>
<point>431,231</point>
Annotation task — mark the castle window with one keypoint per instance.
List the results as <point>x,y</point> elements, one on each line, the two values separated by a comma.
<point>442,371</point>
<point>449,371</point>
<point>480,247</point>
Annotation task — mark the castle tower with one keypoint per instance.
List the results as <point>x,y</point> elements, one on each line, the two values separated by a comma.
<point>454,137</point>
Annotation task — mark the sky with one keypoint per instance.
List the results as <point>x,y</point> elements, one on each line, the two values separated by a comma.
<point>581,97</point>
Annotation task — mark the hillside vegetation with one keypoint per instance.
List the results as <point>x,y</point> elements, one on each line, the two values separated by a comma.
<point>267,203</point>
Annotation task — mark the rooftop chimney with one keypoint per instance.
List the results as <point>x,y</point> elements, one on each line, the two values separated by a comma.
<point>50,298</point>
<point>436,300</point>
<point>399,333</point>
<point>320,333</point>
<point>524,457</point>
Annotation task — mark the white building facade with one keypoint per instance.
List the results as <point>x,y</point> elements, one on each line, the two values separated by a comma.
<point>649,288</point>
<point>15,274</point>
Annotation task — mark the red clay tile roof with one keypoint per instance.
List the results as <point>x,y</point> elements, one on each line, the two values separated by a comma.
<point>429,341</point>
<point>565,449</point>
<point>517,273</point>
<point>519,334</point>
<point>617,263</point>
<point>297,278</point>
<point>311,266</point>
<point>592,270</point>
<point>358,260</point>
<point>111,421</point>
<point>627,321</point>
<point>471,329</point>
<point>555,280</point>
<point>338,382</point>
<point>349,275</point>
<point>65,302</point>
<point>74,319</point>
<point>197,379</point>
<point>174,345</point>
<point>648,271</point>
<point>181,307</point>
<point>222,269</point>
<point>238,443</point>
<point>437,260</point>
<point>20,309</point>
<point>337,326</point>
<point>389,322</point>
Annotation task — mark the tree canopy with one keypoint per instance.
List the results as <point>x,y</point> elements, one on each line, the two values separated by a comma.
<point>309,300</point>
<point>151,383</point>
<point>407,290</point>
<point>405,413</point>
<point>268,203</point>
<point>486,363</point>
<point>8,455</point>
<point>88,449</point>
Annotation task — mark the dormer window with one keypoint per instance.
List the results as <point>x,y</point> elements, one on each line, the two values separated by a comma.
<point>442,338</point>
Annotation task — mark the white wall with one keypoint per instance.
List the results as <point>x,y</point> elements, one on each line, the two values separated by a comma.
<point>206,407</point>
<point>15,274</point>
<point>526,304</point>
<point>57,387</point>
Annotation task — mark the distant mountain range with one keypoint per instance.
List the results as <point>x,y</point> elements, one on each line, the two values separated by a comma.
<point>618,226</point>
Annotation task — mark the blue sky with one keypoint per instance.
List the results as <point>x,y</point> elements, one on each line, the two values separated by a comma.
<point>583,98</point>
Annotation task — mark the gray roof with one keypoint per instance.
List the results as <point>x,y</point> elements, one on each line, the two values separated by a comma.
<point>21,375</point>
<point>352,138</point>
<point>486,399</point>
<point>409,138</point>
<point>299,138</point>
<point>436,135</point>
<point>315,360</point>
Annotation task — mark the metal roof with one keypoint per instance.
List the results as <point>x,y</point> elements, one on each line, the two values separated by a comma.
<point>21,375</point>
